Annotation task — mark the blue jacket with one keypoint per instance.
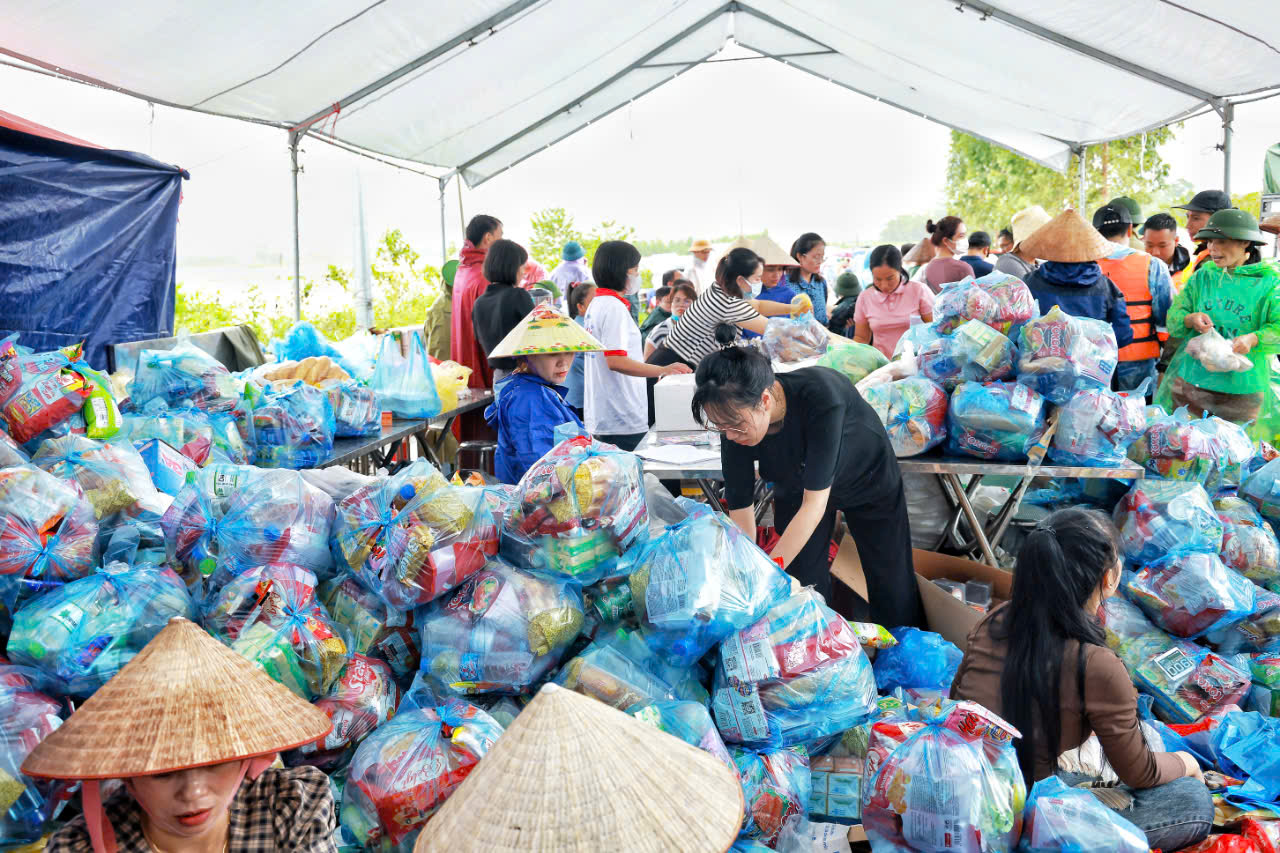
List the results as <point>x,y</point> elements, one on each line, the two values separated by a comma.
<point>1082,291</point>
<point>525,414</point>
<point>574,383</point>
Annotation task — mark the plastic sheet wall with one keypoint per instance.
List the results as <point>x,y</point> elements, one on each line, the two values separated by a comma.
<point>88,244</point>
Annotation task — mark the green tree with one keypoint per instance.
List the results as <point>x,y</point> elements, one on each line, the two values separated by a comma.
<point>552,227</point>
<point>906,227</point>
<point>987,184</point>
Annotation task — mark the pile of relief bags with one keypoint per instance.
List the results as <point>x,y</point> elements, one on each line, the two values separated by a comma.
<point>421,614</point>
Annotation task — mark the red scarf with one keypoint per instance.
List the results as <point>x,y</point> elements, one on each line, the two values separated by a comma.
<point>604,291</point>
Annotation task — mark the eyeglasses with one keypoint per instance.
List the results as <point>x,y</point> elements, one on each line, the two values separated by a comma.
<point>725,429</point>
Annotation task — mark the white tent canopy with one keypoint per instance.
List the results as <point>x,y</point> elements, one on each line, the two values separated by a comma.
<point>477,87</point>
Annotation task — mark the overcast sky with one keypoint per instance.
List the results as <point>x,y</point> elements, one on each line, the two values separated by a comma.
<point>750,144</point>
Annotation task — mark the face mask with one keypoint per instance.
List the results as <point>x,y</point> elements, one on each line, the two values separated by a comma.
<point>633,283</point>
<point>753,287</point>
<point>962,246</point>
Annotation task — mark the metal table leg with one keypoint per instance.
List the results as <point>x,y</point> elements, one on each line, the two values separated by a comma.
<point>979,533</point>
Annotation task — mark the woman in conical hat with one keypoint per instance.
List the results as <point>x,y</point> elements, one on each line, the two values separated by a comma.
<point>530,403</point>
<point>191,728</point>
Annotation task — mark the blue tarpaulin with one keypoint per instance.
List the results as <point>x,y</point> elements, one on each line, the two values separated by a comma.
<point>88,241</point>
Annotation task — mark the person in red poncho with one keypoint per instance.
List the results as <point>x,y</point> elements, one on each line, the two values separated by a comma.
<point>468,284</point>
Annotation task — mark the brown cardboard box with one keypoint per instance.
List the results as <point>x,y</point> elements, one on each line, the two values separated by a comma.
<point>943,614</point>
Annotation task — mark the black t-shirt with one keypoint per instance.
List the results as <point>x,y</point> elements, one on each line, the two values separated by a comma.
<point>830,437</point>
<point>499,310</point>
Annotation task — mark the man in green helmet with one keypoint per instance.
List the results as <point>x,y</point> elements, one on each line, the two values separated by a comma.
<point>439,315</point>
<point>1202,205</point>
<point>1135,216</point>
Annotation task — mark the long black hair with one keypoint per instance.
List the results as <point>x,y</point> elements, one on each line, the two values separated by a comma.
<point>1062,563</point>
<point>737,262</point>
<point>503,261</point>
<point>802,246</point>
<point>578,295</point>
<point>887,255</point>
<point>734,377</point>
<point>611,263</point>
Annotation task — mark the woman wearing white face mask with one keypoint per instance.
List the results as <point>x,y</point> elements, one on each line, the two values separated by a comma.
<point>950,240</point>
<point>615,402</point>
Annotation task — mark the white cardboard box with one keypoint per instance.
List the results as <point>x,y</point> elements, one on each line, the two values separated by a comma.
<point>672,397</point>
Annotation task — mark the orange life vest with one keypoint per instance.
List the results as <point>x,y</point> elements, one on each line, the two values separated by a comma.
<point>1130,275</point>
<point>1183,275</point>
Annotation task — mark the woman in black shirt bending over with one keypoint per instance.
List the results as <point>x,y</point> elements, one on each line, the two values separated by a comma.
<point>823,448</point>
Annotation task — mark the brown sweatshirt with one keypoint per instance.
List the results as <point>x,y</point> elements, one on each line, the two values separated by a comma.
<point>1111,706</point>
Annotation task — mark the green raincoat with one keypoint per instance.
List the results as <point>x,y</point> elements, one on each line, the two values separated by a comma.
<point>1239,302</point>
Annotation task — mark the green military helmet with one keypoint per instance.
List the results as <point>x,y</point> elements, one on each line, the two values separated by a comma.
<point>448,271</point>
<point>847,284</point>
<point>1135,212</point>
<point>1232,224</point>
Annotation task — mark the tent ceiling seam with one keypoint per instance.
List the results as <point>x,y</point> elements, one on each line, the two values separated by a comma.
<point>1223,24</point>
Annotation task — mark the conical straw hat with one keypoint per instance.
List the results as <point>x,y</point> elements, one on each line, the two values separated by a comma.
<point>1067,239</point>
<point>184,701</point>
<point>572,775</point>
<point>545,330</point>
<point>764,246</point>
<point>1026,221</point>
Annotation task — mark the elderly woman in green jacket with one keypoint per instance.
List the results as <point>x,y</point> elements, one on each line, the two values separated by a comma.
<point>1237,295</point>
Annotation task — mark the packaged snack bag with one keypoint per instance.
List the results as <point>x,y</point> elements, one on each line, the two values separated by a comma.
<point>168,467</point>
<point>921,659</point>
<point>854,360</point>
<point>187,429</point>
<point>1258,632</point>
<point>412,537</point>
<point>961,301</point>
<point>699,582</point>
<point>797,337</point>
<point>292,427</point>
<point>357,411</point>
<point>999,421</point>
<point>1157,516</point>
<point>975,352</point>
<point>374,629</point>
<point>48,533</point>
<point>777,787</point>
<point>1014,303</point>
<point>113,477</point>
<point>83,632</point>
<point>1249,544</point>
<point>364,697</point>
<point>1206,450</point>
<point>1060,818</point>
<point>1190,593</point>
<point>185,372</point>
<point>1061,355</point>
<point>269,614</point>
<point>410,765</point>
<point>913,411</point>
<point>26,805</point>
<point>1096,427</point>
<point>577,510</point>
<point>502,631</point>
<point>39,391</point>
<point>608,674</point>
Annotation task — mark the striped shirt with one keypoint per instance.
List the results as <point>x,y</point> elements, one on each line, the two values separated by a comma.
<point>694,337</point>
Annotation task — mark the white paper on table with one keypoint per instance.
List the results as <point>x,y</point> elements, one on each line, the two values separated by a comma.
<point>679,454</point>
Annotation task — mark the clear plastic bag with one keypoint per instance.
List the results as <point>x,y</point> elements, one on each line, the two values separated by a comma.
<point>168,467</point>
<point>412,537</point>
<point>606,673</point>
<point>921,659</point>
<point>975,352</point>
<point>1096,427</point>
<point>1249,545</point>
<point>48,533</point>
<point>357,411</point>
<point>185,372</point>
<point>698,583</point>
<point>1061,818</point>
<point>1061,355</point>
<point>961,301</point>
<point>1260,632</point>
<point>1015,305</point>
<point>1157,516</point>
<point>82,633</point>
<point>364,697</point>
<point>797,337</point>
<point>686,720</point>
<point>30,715</point>
<point>405,385</point>
<point>408,767</point>
<point>1207,450</point>
<point>269,615</point>
<point>291,427</point>
<point>502,631</point>
<point>39,391</point>
<point>777,787</point>
<point>1214,351</point>
<point>1192,593</point>
<point>113,477</point>
<point>373,628</point>
<point>999,421</point>
<point>577,510</point>
<point>856,361</point>
<point>913,411</point>
<point>10,453</point>
<point>1262,489</point>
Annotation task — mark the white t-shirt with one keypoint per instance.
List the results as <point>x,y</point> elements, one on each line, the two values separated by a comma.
<point>701,275</point>
<point>614,404</point>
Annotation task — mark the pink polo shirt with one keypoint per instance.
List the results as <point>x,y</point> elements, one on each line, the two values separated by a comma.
<point>889,314</point>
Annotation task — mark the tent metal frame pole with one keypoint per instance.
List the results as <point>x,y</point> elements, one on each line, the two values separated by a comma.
<point>1228,117</point>
<point>294,139</point>
<point>443,183</point>
<point>1084,186</point>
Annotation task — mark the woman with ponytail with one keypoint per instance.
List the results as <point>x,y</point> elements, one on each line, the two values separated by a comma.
<point>824,449</point>
<point>1041,662</point>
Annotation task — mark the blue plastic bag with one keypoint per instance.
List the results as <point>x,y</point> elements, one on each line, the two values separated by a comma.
<point>292,427</point>
<point>1061,818</point>
<point>185,372</point>
<point>1248,747</point>
<point>413,537</point>
<point>357,409</point>
<point>83,632</point>
<point>686,720</point>
<point>1207,450</point>
<point>304,341</point>
<point>698,583</point>
<point>405,385</point>
<point>502,631</point>
<point>1249,545</point>
<point>1262,489</point>
<point>999,421</point>
<point>777,786</point>
<point>374,629</point>
<point>1096,427</point>
<point>1192,593</point>
<point>48,533</point>
<point>975,352</point>
<point>1158,516</point>
<point>1061,355</point>
<point>921,659</point>
<point>30,715</point>
<point>608,674</point>
<point>913,411</point>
